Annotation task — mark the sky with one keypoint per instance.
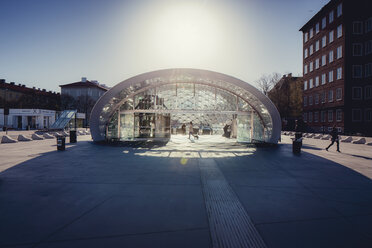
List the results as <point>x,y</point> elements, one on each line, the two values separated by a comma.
<point>46,43</point>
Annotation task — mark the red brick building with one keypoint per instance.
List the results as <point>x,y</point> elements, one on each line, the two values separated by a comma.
<point>337,67</point>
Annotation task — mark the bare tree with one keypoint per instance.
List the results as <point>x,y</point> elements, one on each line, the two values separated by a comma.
<point>267,81</point>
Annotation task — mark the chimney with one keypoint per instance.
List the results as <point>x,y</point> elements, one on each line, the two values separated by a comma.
<point>290,75</point>
<point>84,79</point>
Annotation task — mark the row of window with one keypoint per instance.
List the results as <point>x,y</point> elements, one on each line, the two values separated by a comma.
<point>314,116</point>
<point>356,115</point>
<point>314,82</point>
<point>357,93</point>
<point>358,26</point>
<point>310,100</point>
<point>357,70</point>
<point>309,51</point>
<point>310,34</point>
<point>323,61</point>
<point>358,48</point>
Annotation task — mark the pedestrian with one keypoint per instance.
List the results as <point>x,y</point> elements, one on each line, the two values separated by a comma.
<point>334,139</point>
<point>191,131</point>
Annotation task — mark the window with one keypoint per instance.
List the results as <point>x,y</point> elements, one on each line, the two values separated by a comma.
<point>369,47</point>
<point>305,117</point>
<point>339,73</point>
<point>311,49</point>
<point>331,36</point>
<point>357,71</point>
<point>305,53</point>
<point>339,52</point>
<point>323,78</point>
<point>330,57</point>
<point>305,85</point>
<point>339,31</point>
<point>316,116</point>
<point>311,83</point>
<point>317,28</point>
<point>357,27</point>
<point>316,81</point>
<point>317,64</point>
<point>324,58</point>
<point>357,93</point>
<point>331,15</point>
<point>316,46</point>
<point>310,100</point>
<point>324,22</point>
<point>306,37</point>
<point>368,115</point>
<point>368,25</point>
<point>338,115</point>
<point>339,10</point>
<point>324,41</point>
<point>311,33</point>
<point>338,94</point>
<point>316,99</point>
<point>305,69</point>
<point>368,92</point>
<point>305,101</point>
<point>368,70</point>
<point>357,49</point>
<point>311,66</point>
<point>310,116</point>
<point>323,97</point>
<point>356,115</point>
<point>330,115</point>
<point>322,116</point>
<point>330,96</point>
<point>330,76</point>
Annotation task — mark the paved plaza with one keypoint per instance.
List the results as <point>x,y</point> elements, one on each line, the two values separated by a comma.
<point>210,192</point>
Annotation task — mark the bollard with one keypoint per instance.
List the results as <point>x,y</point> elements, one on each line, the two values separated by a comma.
<point>61,143</point>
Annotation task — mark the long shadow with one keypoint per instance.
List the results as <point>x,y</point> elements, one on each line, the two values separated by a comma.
<point>99,192</point>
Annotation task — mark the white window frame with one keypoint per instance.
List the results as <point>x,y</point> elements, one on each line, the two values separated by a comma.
<point>316,45</point>
<point>353,71</point>
<point>368,25</point>
<point>331,16</point>
<point>366,118</point>
<point>311,85</point>
<point>306,53</point>
<point>324,60</point>
<point>339,73</point>
<point>330,76</point>
<point>311,35</point>
<point>360,50</point>
<point>330,57</point>
<point>338,115</point>
<point>311,100</point>
<point>339,52</point>
<point>367,89</point>
<point>305,69</point>
<point>316,99</point>
<point>311,67</point>
<point>330,115</point>
<point>306,37</point>
<point>317,28</point>
<point>339,31</point>
<point>338,94</point>
<point>330,96</point>
<point>317,63</point>
<point>368,70</point>
<point>368,47</point>
<point>357,25</point>
<point>316,81</point>
<point>324,41</point>
<point>311,50</point>
<point>331,36</point>
<point>324,22</point>
<point>339,10</point>
<point>305,85</point>
<point>324,79</point>
<point>356,97</point>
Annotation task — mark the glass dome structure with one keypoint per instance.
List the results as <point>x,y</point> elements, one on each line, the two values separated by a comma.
<point>157,104</point>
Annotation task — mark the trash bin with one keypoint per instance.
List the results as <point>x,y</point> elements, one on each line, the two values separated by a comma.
<point>73,136</point>
<point>296,145</point>
<point>61,143</point>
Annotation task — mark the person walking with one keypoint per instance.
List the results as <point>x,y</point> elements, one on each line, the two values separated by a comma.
<point>334,139</point>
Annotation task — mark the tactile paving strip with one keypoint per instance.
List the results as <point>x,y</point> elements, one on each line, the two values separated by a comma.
<point>230,225</point>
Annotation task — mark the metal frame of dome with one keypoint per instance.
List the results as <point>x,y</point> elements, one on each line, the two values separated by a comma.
<point>116,96</point>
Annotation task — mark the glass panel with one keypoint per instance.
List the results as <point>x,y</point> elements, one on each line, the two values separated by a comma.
<point>145,100</point>
<point>243,105</point>
<point>166,97</point>
<point>185,96</point>
<point>225,100</point>
<point>126,126</point>
<point>258,129</point>
<point>144,125</point>
<point>244,128</point>
<point>162,126</point>
<point>112,127</point>
<point>205,97</point>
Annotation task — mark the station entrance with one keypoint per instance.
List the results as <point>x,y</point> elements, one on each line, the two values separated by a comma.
<point>159,104</point>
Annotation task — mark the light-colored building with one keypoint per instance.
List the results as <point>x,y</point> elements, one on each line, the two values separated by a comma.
<point>28,118</point>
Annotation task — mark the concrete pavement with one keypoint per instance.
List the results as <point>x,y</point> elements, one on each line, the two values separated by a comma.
<point>101,196</point>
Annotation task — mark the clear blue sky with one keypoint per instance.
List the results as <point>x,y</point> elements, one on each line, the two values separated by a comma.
<point>45,43</point>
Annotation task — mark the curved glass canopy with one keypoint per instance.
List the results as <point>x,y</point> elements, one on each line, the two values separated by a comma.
<point>157,104</point>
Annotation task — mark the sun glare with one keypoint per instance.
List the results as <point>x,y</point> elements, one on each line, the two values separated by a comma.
<point>184,32</point>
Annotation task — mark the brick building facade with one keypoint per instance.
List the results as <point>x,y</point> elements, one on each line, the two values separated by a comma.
<point>337,61</point>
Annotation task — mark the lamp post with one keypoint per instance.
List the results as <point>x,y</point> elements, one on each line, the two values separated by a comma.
<point>6,112</point>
